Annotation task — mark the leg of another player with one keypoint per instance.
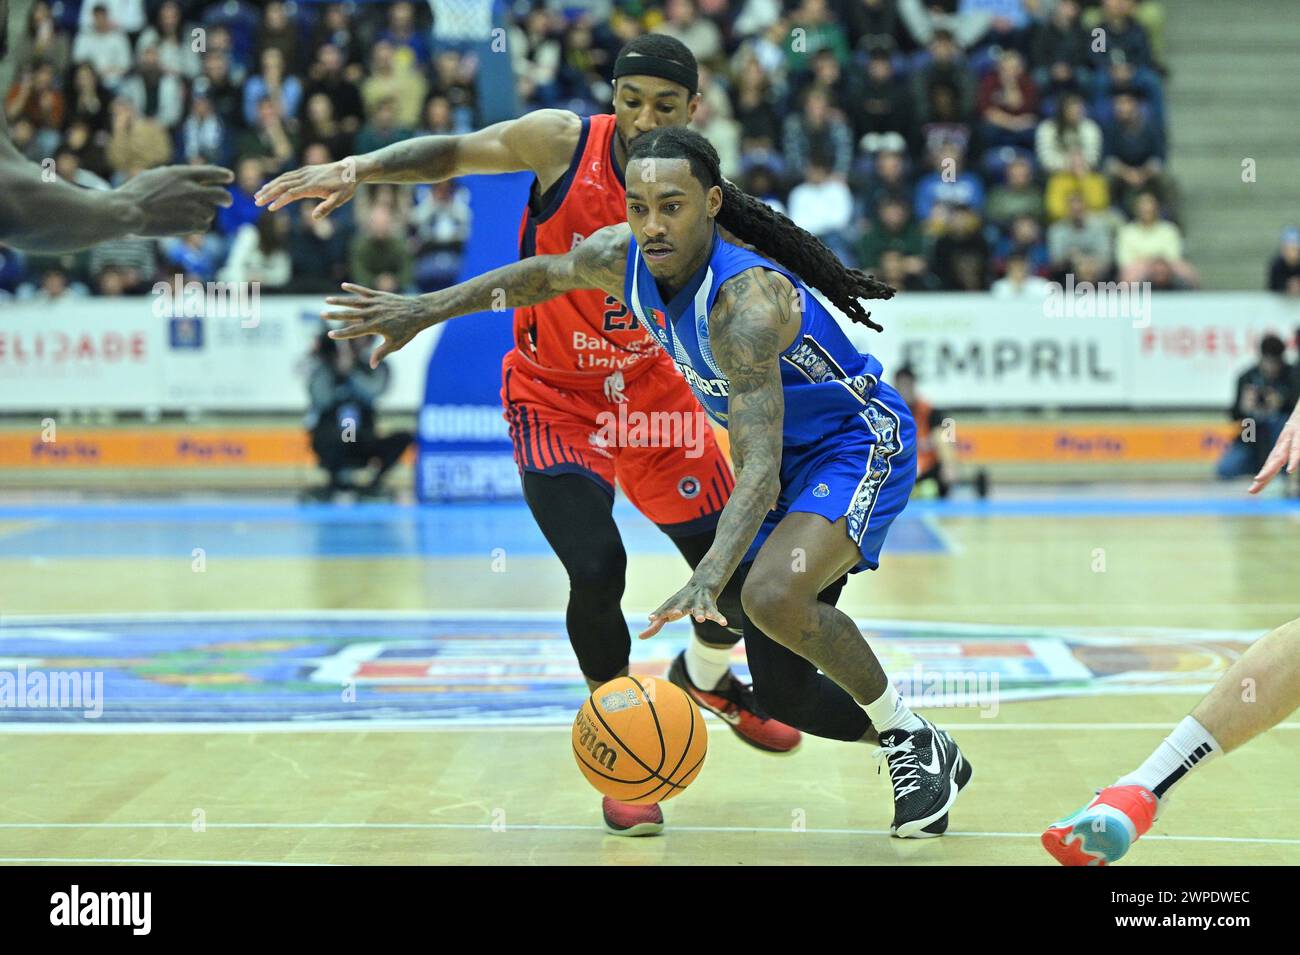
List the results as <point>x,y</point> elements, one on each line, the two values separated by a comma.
<point>1257,692</point>
<point>576,515</point>
<point>703,669</point>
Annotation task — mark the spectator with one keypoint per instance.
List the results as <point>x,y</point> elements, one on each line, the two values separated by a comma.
<point>42,42</point>
<point>926,19</point>
<point>961,253</point>
<point>382,128</point>
<point>136,142</point>
<point>124,15</point>
<point>893,272</point>
<point>949,186</point>
<point>1143,244</point>
<point>1135,152</point>
<point>88,99</point>
<point>132,262</point>
<point>895,231</point>
<point>380,258</point>
<point>318,251</point>
<point>389,80</point>
<point>242,210</point>
<point>819,32</point>
<point>272,83</point>
<point>723,132</point>
<point>173,40</point>
<point>1265,394</point>
<point>1008,102</point>
<point>36,98</point>
<point>1068,147</point>
<point>1059,46</point>
<point>889,179</point>
<point>102,45</point>
<point>1018,195</point>
<point>872,24</point>
<point>817,130</point>
<point>409,43</point>
<point>196,256</point>
<point>1024,240</point>
<point>203,135</point>
<point>157,95</point>
<point>1123,34</point>
<point>1284,273</point>
<point>260,253</point>
<point>1020,282</point>
<point>321,126</point>
<point>946,68</point>
<point>278,33</point>
<point>268,140</point>
<point>55,286</point>
<point>823,205</point>
<point>700,34</point>
<point>327,78</point>
<point>535,58</point>
<point>217,84</point>
<point>756,108</point>
<point>343,388</point>
<point>1080,243</point>
<point>441,220</point>
<point>80,140</point>
<point>335,29</point>
<point>885,104</point>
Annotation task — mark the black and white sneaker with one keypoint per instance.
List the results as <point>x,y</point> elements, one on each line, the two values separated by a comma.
<point>961,776</point>
<point>922,767</point>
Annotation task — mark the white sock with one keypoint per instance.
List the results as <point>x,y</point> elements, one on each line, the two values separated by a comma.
<point>706,665</point>
<point>890,712</point>
<point>1190,745</point>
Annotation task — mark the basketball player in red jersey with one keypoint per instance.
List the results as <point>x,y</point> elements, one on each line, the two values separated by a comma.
<point>581,355</point>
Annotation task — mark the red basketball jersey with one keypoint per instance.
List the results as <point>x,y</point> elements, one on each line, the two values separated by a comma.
<point>585,332</point>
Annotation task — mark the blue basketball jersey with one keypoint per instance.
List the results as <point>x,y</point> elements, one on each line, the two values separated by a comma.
<point>827,382</point>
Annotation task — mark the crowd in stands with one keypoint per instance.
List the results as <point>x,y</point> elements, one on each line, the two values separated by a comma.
<point>941,144</point>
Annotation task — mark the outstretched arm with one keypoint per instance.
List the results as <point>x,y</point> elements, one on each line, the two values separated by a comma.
<point>1286,451</point>
<point>753,321</point>
<point>40,213</point>
<point>542,142</point>
<point>598,262</point>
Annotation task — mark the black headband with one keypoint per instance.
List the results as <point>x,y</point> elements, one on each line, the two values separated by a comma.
<point>647,64</point>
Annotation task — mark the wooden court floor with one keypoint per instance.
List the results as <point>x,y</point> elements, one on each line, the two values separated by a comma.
<point>473,794</point>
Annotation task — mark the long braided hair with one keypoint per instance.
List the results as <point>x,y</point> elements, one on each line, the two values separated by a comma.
<point>772,234</point>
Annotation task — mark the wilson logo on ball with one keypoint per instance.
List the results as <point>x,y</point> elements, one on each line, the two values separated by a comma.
<point>598,750</point>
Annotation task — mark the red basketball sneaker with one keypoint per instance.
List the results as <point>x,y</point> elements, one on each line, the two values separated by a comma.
<point>629,819</point>
<point>735,705</point>
<point>1102,831</point>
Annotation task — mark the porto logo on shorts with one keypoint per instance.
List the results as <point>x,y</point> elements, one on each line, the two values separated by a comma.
<point>821,490</point>
<point>688,487</point>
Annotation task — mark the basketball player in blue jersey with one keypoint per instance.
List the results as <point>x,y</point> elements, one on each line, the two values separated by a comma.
<point>824,451</point>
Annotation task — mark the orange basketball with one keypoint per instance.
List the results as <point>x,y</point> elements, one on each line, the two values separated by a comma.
<point>639,739</point>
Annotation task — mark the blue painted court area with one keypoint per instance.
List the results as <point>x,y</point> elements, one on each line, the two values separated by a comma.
<point>285,530</point>
<point>273,529</point>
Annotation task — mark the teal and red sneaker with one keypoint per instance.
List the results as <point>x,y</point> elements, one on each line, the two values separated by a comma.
<point>1102,831</point>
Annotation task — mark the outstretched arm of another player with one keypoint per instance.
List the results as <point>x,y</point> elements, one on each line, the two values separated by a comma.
<point>1286,451</point>
<point>598,262</point>
<point>40,213</point>
<point>541,141</point>
<point>751,325</point>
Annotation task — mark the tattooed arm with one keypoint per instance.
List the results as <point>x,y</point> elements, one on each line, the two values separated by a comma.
<point>541,142</point>
<point>754,319</point>
<point>598,262</point>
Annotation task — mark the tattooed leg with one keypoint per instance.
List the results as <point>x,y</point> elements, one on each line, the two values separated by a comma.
<point>782,601</point>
